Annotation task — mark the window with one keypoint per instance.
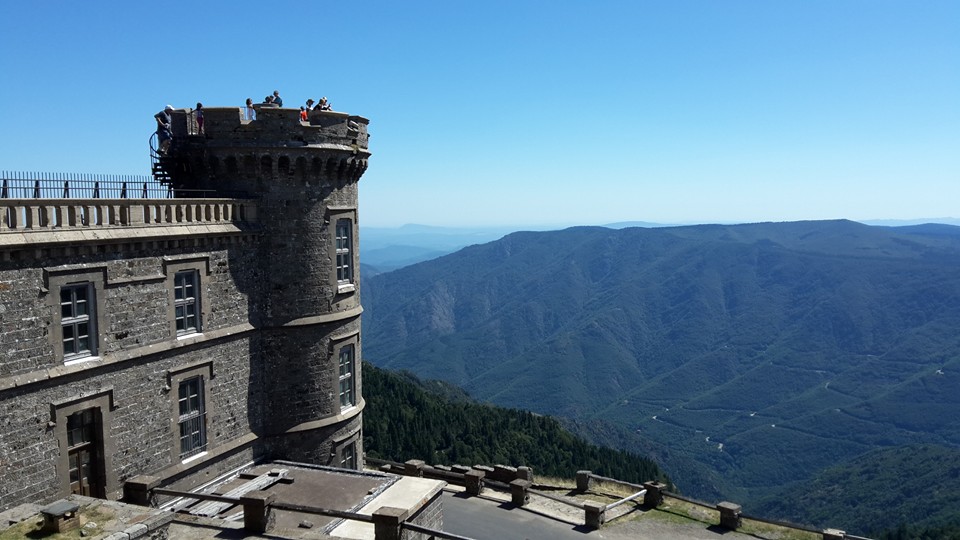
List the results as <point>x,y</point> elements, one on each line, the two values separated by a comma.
<point>186,304</point>
<point>77,321</point>
<point>344,251</point>
<point>348,458</point>
<point>187,309</point>
<point>346,377</point>
<point>75,299</point>
<point>192,419</point>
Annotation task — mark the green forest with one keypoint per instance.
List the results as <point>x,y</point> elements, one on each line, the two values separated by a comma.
<point>924,533</point>
<point>406,418</point>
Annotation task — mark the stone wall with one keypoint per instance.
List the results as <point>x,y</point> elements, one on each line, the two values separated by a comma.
<point>132,302</point>
<point>130,379</point>
<point>430,516</point>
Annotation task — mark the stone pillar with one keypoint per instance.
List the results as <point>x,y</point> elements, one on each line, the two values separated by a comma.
<point>525,473</point>
<point>139,490</point>
<point>387,521</point>
<point>654,495</point>
<point>595,514</point>
<point>729,515</point>
<point>583,480</point>
<point>257,514</point>
<point>519,492</point>
<point>473,480</point>
<point>834,534</point>
<point>414,467</point>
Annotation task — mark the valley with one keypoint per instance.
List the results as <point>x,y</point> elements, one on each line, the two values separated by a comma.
<point>743,358</point>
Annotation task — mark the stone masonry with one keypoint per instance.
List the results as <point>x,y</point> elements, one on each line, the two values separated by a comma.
<point>274,319</point>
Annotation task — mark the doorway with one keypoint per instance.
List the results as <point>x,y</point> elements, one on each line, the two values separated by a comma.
<point>85,453</point>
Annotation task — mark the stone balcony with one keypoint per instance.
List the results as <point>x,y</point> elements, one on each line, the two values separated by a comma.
<point>28,223</point>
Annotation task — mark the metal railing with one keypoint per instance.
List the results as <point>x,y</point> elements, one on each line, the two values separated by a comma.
<point>42,185</point>
<point>303,509</point>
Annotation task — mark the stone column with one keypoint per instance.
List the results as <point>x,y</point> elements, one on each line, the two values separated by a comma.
<point>729,515</point>
<point>595,514</point>
<point>525,473</point>
<point>654,495</point>
<point>473,480</point>
<point>414,467</point>
<point>519,492</point>
<point>583,480</point>
<point>387,521</point>
<point>139,490</point>
<point>257,514</point>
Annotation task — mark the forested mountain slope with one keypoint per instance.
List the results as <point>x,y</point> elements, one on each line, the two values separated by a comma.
<point>407,418</point>
<point>916,486</point>
<point>761,353</point>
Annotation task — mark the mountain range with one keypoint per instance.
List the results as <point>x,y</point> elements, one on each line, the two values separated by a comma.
<point>745,358</point>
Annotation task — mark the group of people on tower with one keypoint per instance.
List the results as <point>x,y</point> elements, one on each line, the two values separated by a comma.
<point>164,135</point>
<point>324,105</point>
<point>275,100</point>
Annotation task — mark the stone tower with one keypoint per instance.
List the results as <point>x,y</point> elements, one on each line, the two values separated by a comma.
<point>304,176</point>
<point>184,338</point>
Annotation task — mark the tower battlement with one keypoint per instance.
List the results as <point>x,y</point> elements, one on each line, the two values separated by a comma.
<point>274,127</point>
<point>277,150</point>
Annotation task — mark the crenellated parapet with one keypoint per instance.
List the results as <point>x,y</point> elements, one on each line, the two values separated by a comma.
<point>328,149</point>
<point>281,125</point>
<point>278,126</point>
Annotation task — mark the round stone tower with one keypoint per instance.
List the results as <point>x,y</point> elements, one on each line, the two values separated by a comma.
<point>307,304</point>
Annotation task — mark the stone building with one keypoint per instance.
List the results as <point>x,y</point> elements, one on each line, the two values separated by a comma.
<point>186,337</point>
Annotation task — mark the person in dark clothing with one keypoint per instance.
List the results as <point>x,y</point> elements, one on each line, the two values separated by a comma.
<point>163,128</point>
<point>199,114</point>
<point>277,99</point>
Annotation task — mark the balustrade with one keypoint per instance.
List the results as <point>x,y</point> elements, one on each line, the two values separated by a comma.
<point>25,215</point>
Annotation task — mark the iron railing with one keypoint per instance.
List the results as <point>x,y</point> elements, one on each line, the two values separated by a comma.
<point>39,185</point>
<point>34,185</point>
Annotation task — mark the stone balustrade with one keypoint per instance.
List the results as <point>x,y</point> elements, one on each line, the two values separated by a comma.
<point>39,215</point>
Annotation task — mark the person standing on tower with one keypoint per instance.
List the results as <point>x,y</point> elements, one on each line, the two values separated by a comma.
<point>199,115</point>
<point>163,129</point>
<point>277,99</point>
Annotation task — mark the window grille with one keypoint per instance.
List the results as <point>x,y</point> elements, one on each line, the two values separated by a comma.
<point>346,377</point>
<point>192,420</point>
<point>344,249</point>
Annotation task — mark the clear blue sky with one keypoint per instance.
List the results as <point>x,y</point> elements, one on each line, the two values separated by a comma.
<point>548,112</point>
